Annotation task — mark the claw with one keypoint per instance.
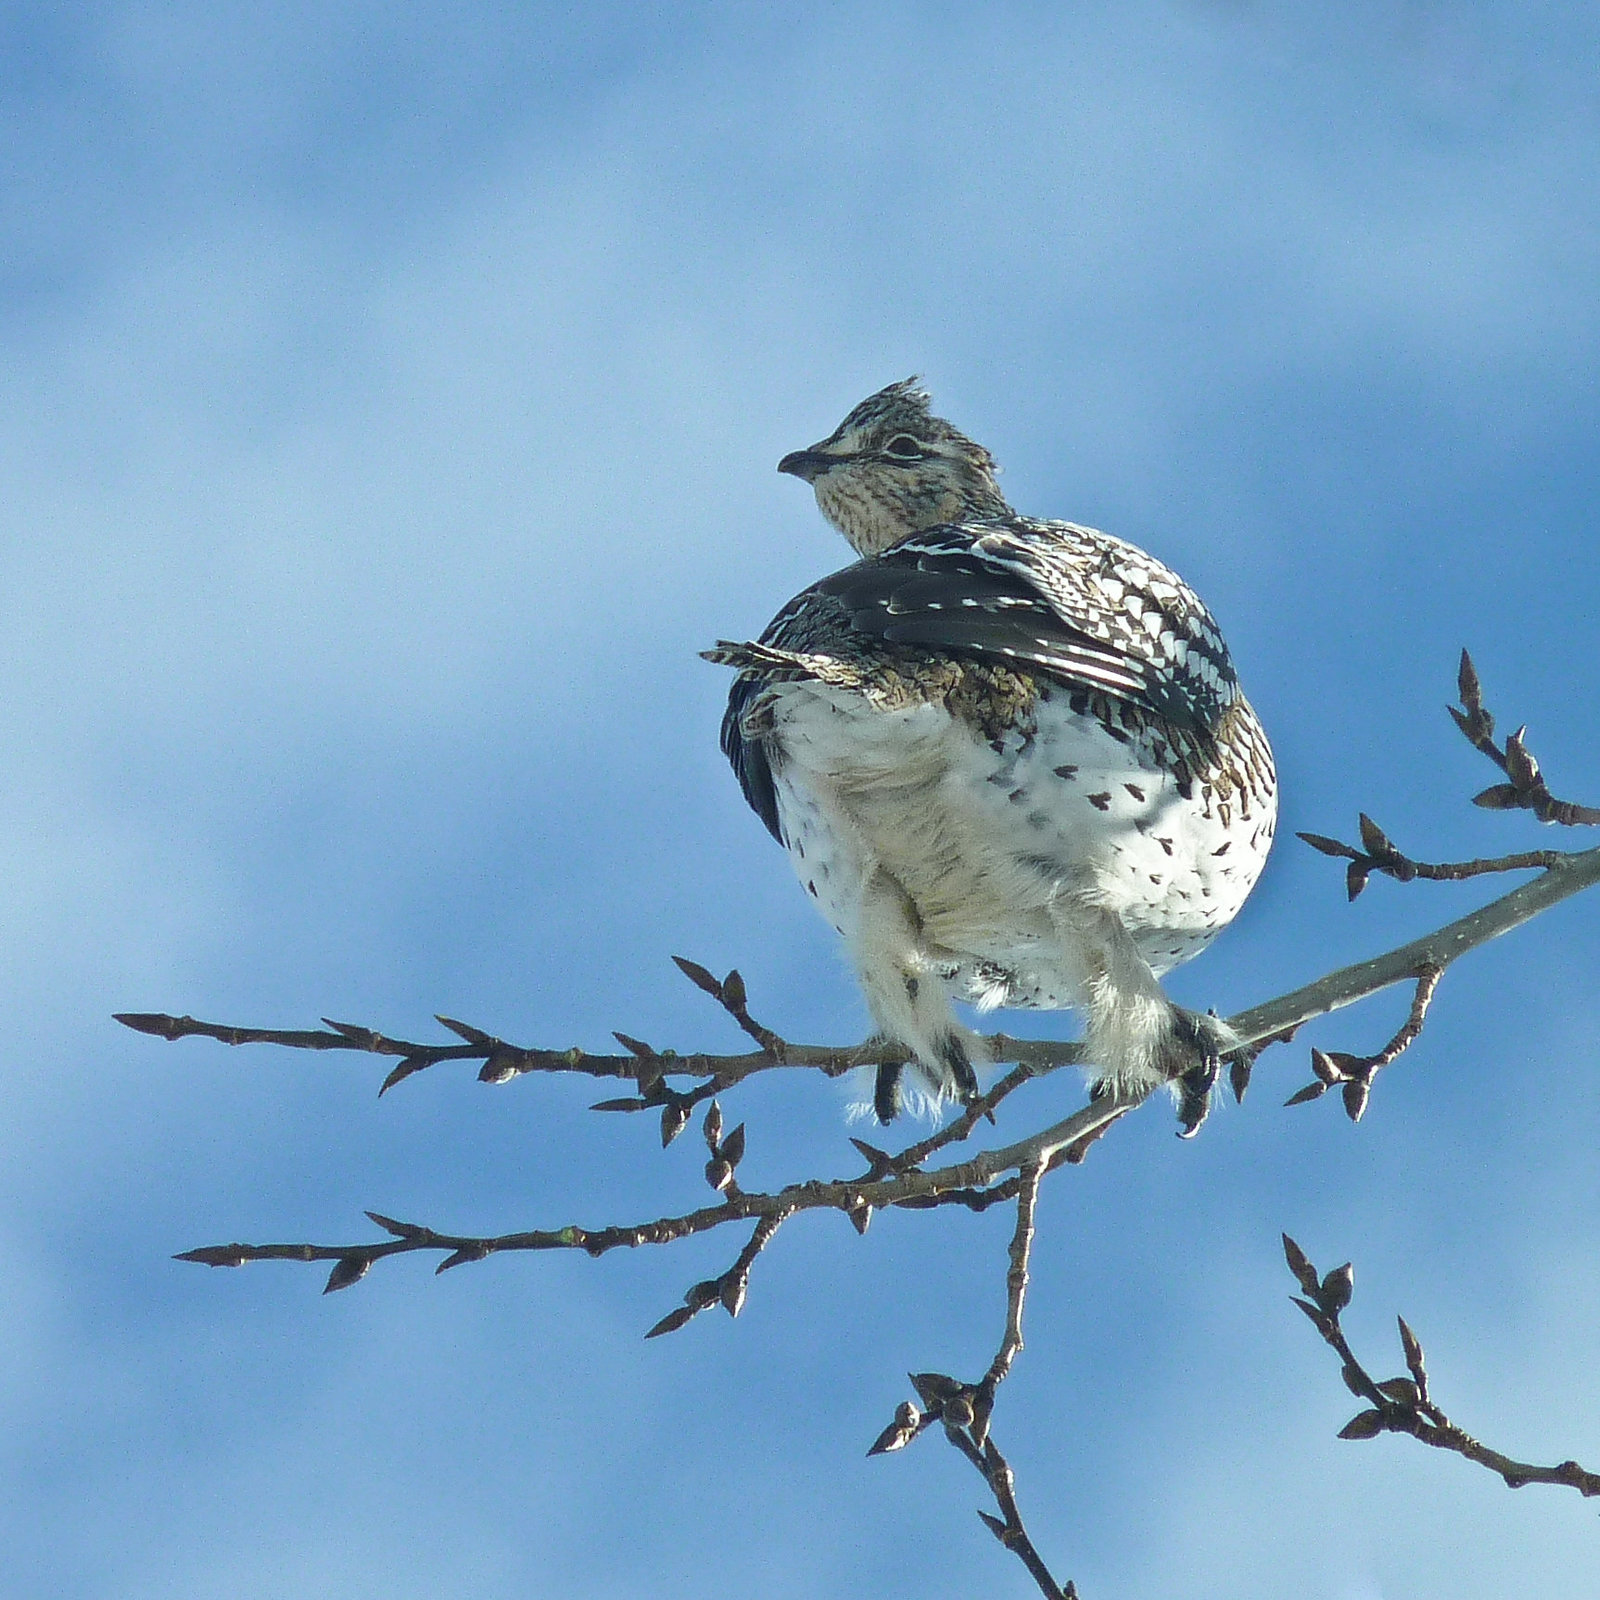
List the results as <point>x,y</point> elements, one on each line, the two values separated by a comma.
<point>886,1093</point>
<point>954,1056</point>
<point>1240,1065</point>
<point>1194,1099</point>
<point>1209,1039</point>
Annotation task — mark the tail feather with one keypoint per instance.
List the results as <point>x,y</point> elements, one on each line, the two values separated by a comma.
<point>771,665</point>
<point>760,658</point>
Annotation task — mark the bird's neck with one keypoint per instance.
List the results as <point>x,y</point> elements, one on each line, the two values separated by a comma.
<point>873,522</point>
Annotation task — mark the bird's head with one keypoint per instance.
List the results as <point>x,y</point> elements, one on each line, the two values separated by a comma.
<point>892,468</point>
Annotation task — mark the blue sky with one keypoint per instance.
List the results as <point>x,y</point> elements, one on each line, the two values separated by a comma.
<point>388,414</point>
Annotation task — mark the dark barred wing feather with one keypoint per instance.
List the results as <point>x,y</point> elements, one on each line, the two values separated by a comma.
<point>1070,602</point>
<point>748,757</point>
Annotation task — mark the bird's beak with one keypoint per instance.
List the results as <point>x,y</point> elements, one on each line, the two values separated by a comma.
<point>808,464</point>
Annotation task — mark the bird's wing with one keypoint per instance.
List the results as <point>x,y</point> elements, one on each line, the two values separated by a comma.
<point>748,757</point>
<point>1068,603</point>
<point>1071,603</point>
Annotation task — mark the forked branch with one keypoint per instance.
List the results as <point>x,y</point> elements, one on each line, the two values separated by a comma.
<point>1404,1404</point>
<point>675,1084</point>
<point>1526,788</point>
<point>966,1409</point>
<point>897,1180</point>
<point>1354,1074</point>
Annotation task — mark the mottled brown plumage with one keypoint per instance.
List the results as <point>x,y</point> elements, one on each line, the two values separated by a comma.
<point>1009,758</point>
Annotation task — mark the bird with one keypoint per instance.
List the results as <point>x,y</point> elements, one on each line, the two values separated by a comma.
<point>1010,760</point>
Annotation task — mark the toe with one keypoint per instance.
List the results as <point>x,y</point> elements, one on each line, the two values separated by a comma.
<point>1203,1045</point>
<point>886,1093</point>
<point>954,1058</point>
<point>1194,1098</point>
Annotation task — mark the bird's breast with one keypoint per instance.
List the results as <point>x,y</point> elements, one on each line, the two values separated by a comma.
<point>983,827</point>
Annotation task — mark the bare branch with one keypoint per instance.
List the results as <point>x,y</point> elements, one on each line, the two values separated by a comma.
<point>970,1183</point>
<point>951,1403</point>
<point>730,995</point>
<point>503,1061</point>
<point>966,1410</point>
<point>973,1183</point>
<point>1380,855</point>
<point>1570,875</point>
<point>1403,1404</point>
<point>1016,1293</point>
<point>959,1127</point>
<point>1354,1074</point>
<point>1259,1026</point>
<point>975,1441</point>
<point>730,1289</point>
<point>1008,1528</point>
<point>1526,789</point>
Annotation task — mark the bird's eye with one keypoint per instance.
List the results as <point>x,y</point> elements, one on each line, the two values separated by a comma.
<point>904,446</point>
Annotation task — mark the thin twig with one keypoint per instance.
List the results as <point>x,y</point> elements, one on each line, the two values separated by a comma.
<point>1016,1292</point>
<point>1008,1527</point>
<point>730,1288</point>
<point>1526,790</point>
<point>944,1400</point>
<point>1404,1405</point>
<point>1570,874</point>
<point>729,993</point>
<point>1380,855</point>
<point>963,1183</point>
<point>967,1409</point>
<point>1354,1074</point>
<point>959,1127</point>
<point>503,1061</point>
<point>973,1199</point>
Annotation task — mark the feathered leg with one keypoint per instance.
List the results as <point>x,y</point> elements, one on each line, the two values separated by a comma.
<point>907,997</point>
<point>1137,1038</point>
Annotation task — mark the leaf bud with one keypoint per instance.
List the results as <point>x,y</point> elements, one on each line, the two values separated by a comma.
<point>1336,1289</point>
<point>1363,1425</point>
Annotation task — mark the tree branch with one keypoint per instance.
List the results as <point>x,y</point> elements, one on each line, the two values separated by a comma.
<point>997,1175</point>
<point>1526,790</point>
<point>1404,1405</point>
<point>971,1183</point>
<point>1016,1293</point>
<point>1380,855</point>
<point>966,1409</point>
<point>1567,875</point>
<point>890,1180</point>
<point>1354,1074</point>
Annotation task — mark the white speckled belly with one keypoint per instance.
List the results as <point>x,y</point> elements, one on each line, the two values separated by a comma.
<point>983,837</point>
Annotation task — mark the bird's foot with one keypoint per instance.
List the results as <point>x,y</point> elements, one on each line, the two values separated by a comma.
<point>1203,1042</point>
<point>945,1067</point>
<point>886,1092</point>
<point>956,1058</point>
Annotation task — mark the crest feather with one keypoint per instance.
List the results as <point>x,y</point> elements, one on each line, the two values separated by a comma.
<point>906,398</point>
